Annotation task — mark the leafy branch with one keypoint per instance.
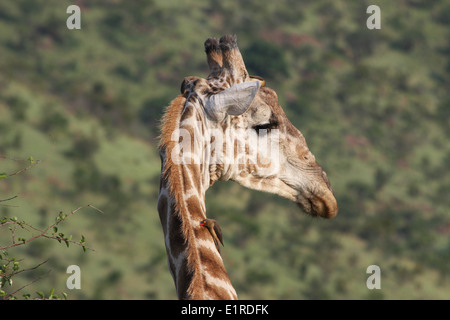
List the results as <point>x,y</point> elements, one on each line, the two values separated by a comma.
<point>60,237</point>
<point>10,266</point>
<point>31,160</point>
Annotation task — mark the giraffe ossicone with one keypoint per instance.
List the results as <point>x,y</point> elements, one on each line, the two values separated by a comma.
<point>228,126</point>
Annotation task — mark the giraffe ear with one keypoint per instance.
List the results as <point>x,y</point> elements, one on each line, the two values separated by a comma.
<point>232,101</point>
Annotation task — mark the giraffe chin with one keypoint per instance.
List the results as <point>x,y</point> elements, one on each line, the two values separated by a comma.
<point>323,206</point>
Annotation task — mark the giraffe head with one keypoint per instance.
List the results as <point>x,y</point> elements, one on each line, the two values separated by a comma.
<point>250,139</point>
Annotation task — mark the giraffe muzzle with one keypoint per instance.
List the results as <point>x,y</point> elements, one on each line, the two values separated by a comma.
<point>321,204</point>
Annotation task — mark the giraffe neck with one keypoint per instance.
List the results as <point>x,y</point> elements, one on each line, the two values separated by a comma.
<point>195,264</point>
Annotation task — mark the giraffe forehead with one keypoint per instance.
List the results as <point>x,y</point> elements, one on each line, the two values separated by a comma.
<point>265,107</point>
<point>268,95</point>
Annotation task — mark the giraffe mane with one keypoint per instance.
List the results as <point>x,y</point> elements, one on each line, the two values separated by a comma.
<point>172,175</point>
<point>169,123</point>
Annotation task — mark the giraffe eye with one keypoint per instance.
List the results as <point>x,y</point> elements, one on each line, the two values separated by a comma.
<point>265,126</point>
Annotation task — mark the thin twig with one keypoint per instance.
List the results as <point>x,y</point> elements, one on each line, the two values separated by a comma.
<point>29,283</point>
<point>9,198</point>
<point>89,205</point>
<point>8,205</point>
<point>24,169</point>
<point>33,268</point>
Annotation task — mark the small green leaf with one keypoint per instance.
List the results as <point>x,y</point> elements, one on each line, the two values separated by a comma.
<point>55,229</point>
<point>31,160</point>
<point>61,215</point>
<point>3,175</point>
<point>40,294</point>
<point>64,295</point>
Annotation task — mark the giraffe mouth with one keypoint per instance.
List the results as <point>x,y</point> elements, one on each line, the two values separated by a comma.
<point>321,204</point>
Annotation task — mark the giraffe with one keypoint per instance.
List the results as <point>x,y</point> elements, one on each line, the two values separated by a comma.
<point>210,132</point>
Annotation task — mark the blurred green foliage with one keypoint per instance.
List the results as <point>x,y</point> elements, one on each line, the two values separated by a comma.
<point>372,104</point>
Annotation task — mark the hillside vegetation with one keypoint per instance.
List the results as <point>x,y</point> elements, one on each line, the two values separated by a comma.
<point>373,105</point>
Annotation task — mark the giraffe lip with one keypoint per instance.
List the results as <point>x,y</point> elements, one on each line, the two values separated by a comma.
<point>321,205</point>
<point>306,205</point>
